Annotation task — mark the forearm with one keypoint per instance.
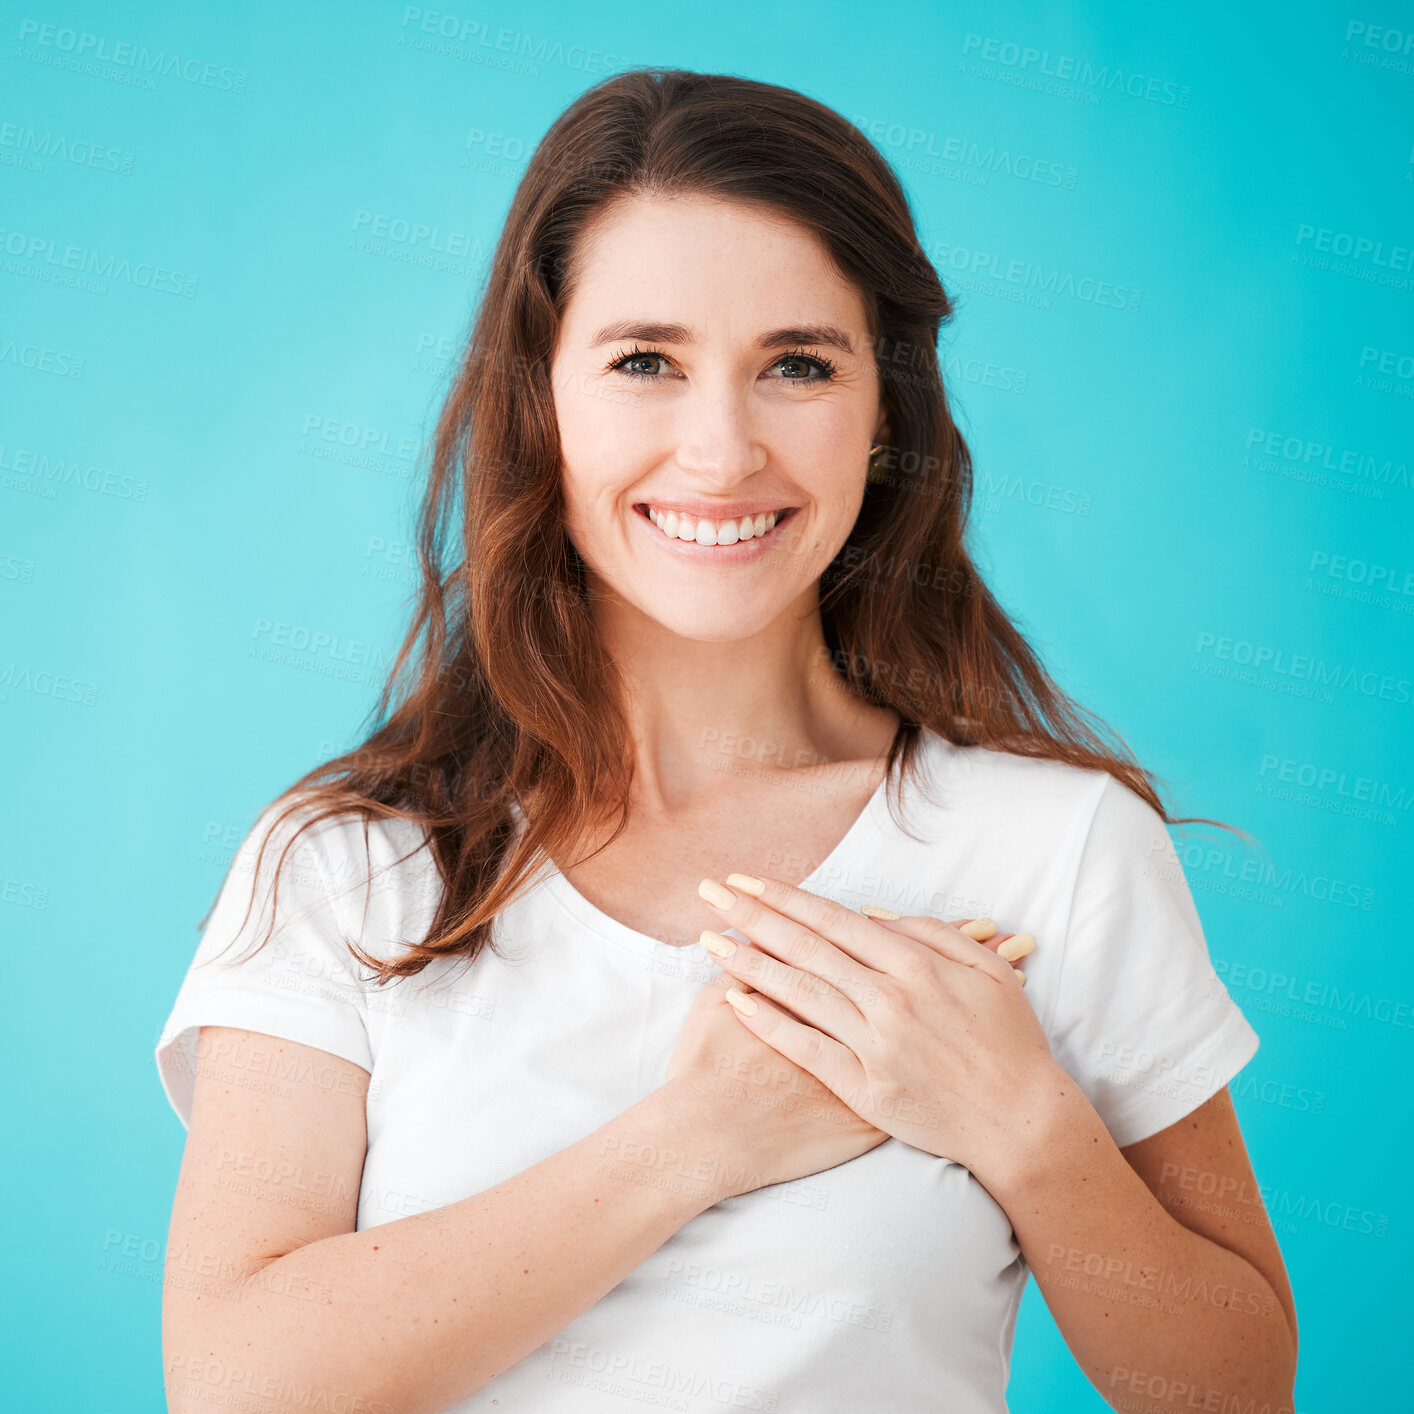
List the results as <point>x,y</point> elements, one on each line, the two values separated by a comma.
<point>415,1314</point>
<point>1159,1317</point>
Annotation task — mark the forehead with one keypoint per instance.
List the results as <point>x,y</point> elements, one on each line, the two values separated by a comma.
<point>709,263</point>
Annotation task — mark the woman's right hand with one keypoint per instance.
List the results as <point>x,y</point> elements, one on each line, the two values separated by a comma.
<point>770,1121</point>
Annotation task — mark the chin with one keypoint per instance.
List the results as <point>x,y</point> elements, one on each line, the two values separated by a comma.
<point>721,619</point>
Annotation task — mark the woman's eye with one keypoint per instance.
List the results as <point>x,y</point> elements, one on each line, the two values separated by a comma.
<point>802,369</point>
<point>797,368</point>
<point>632,364</point>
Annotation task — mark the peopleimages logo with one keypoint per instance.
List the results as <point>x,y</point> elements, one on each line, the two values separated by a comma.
<point>460,37</point>
<point>1379,47</point>
<point>1356,247</point>
<point>1340,461</point>
<point>1307,774</point>
<point>84,50</point>
<point>1262,658</point>
<point>29,145</point>
<point>45,255</point>
<point>918,143</point>
<point>1027,59</point>
<point>1000,271</point>
<point>1354,577</point>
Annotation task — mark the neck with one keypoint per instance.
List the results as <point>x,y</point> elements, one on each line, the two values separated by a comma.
<point>772,702</point>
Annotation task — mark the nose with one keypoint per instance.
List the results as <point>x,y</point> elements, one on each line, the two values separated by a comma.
<point>716,442</point>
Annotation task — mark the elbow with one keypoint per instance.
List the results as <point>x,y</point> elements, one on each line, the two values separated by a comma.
<point>1289,1367</point>
<point>1285,1357</point>
<point>1278,1387</point>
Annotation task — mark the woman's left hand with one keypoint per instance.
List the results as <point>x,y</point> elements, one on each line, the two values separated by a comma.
<point>916,1026</point>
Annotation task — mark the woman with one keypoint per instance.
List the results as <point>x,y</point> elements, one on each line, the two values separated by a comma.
<point>708,695</point>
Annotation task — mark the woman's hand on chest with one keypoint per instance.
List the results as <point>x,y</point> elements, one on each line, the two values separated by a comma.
<point>913,1023</point>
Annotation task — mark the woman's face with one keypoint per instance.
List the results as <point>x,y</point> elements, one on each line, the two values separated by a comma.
<point>713,371</point>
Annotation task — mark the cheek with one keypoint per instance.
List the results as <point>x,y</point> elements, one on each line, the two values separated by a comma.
<point>587,454</point>
<point>597,479</point>
<point>834,467</point>
<point>601,435</point>
<point>580,431</point>
<point>832,443</point>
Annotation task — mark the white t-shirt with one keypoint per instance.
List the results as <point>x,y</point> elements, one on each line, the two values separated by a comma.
<point>888,1282</point>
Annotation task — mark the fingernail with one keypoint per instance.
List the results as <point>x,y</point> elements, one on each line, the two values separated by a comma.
<point>979,929</point>
<point>747,883</point>
<point>870,910</point>
<point>1020,975</point>
<point>717,944</point>
<point>715,894</point>
<point>1016,947</point>
<point>741,1002</point>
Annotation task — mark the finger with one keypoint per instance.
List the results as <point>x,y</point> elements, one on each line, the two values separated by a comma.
<point>950,942</point>
<point>811,998</point>
<point>834,1065</point>
<point>1010,947</point>
<point>788,938</point>
<point>788,919</point>
<point>984,930</point>
<point>719,982</point>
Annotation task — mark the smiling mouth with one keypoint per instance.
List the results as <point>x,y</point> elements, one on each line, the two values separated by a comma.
<point>706,530</point>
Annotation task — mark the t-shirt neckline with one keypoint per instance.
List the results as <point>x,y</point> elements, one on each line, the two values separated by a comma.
<point>870,820</point>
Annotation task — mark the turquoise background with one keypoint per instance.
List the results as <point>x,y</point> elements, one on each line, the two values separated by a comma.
<point>1170,491</point>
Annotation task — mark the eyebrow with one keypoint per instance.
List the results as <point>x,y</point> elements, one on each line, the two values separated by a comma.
<point>648,332</point>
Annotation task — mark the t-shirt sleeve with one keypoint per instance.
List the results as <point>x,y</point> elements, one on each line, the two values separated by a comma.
<point>1142,1021</point>
<point>301,985</point>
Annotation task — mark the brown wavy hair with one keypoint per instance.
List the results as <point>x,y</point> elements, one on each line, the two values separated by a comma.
<point>501,701</point>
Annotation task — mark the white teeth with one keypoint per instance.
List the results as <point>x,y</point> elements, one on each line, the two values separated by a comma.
<point>681,526</point>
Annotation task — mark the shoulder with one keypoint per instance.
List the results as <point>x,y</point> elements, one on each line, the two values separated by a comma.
<point>336,835</point>
<point>348,858</point>
<point>1077,818</point>
<point>988,780</point>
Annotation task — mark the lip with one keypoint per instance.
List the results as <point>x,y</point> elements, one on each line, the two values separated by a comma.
<point>740,553</point>
<point>733,510</point>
